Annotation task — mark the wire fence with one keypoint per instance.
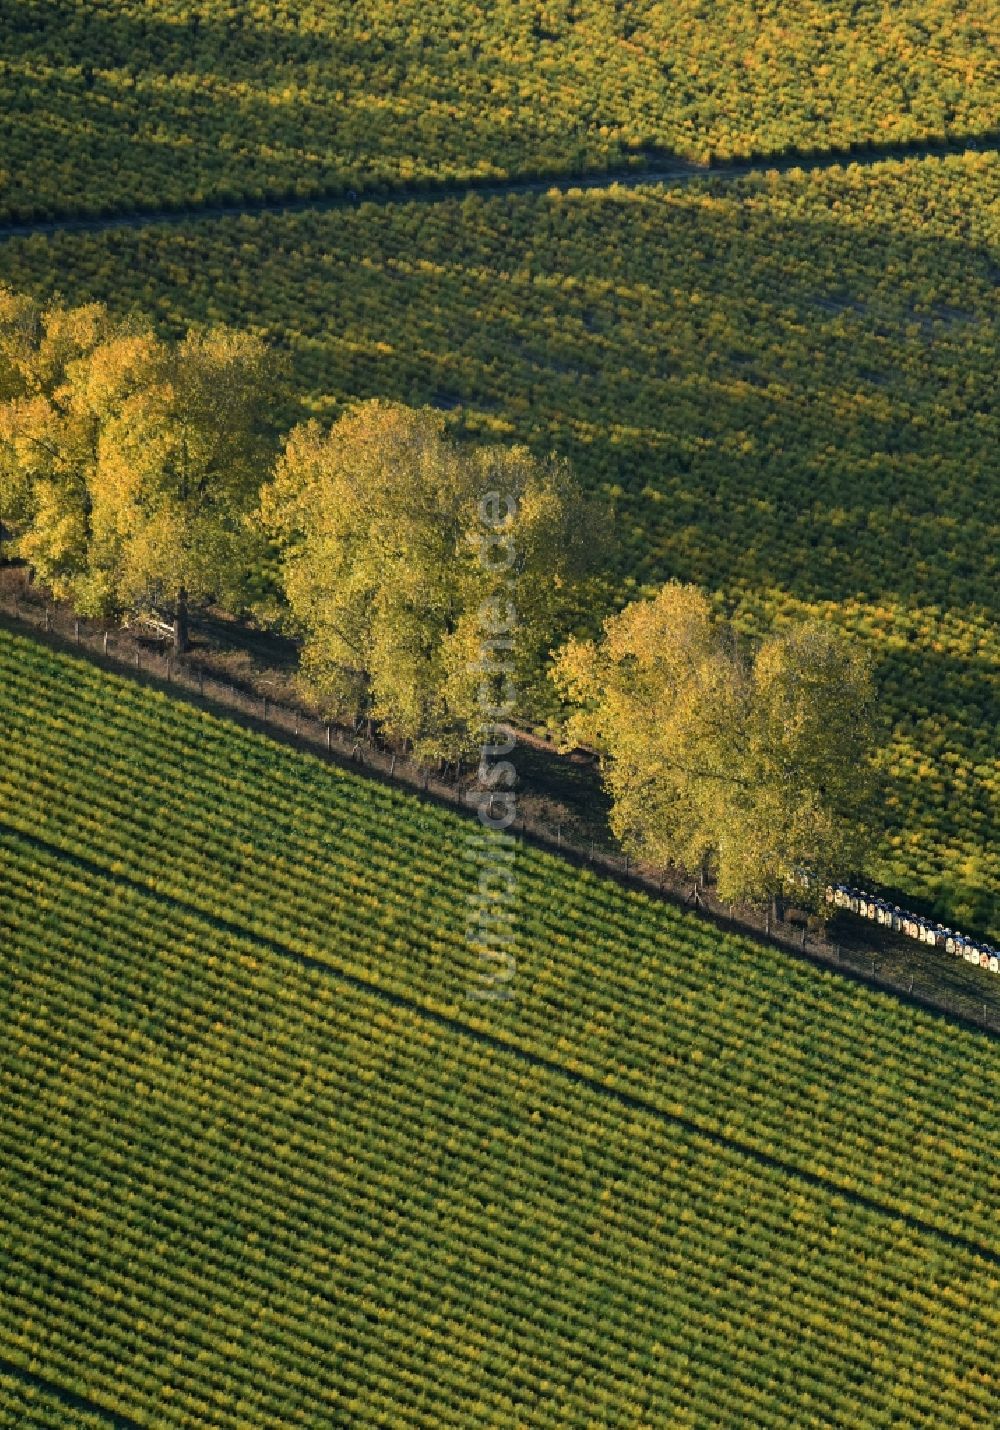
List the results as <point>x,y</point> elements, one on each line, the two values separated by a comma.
<point>877,956</point>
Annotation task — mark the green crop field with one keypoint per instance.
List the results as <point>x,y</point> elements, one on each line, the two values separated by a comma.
<point>263,1161</point>
<point>125,103</point>
<point>786,386</point>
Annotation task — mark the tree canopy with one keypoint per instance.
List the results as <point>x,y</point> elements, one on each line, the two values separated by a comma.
<point>428,578</point>
<point>48,435</point>
<point>758,764</point>
<point>184,449</point>
<point>129,465</point>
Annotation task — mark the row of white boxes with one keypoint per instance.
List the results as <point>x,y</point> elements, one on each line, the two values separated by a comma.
<point>868,906</point>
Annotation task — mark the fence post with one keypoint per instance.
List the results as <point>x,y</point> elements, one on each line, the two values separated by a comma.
<point>201,682</point>
<point>329,737</point>
<point>105,642</point>
<point>48,619</point>
<point>392,766</point>
<point>265,707</point>
<point>137,657</point>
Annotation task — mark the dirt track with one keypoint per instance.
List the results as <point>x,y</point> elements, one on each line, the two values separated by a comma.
<point>654,168</point>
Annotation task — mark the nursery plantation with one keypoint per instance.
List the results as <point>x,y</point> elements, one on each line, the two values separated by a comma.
<point>121,104</point>
<point>626,372</point>
<point>784,386</point>
<point>264,1161</point>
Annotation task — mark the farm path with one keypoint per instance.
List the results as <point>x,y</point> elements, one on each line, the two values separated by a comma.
<point>658,169</point>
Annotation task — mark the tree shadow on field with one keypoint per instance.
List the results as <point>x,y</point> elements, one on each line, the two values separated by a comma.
<point>135,111</point>
<point>955,802</point>
<point>822,422</point>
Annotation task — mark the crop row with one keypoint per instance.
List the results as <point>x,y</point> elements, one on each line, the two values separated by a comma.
<point>276,834</point>
<point>238,1192</point>
<point>784,387</point>
<point>142,106</point>
<point>617,987</point>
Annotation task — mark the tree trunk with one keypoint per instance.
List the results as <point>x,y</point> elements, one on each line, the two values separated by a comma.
<point>182,638</point>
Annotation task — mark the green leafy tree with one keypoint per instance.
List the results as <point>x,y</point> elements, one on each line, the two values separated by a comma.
<point>427,578</point>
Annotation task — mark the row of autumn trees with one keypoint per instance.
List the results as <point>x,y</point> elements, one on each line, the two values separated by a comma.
<point>435,587</point>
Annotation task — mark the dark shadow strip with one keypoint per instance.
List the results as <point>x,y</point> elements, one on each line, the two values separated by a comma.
<point>69,1398</point>
<point>669,170</point>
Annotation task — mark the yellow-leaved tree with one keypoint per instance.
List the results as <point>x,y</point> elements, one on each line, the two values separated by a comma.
<point>756,766</point>
<point>185,445</point>
<point>130,465</point>
<point>48,436</point>
<point>428,578</point>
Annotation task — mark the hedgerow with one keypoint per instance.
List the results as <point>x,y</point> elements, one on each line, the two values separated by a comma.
<point>785,386</point>
<point>126,103</point>
<point>263,1163</point>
